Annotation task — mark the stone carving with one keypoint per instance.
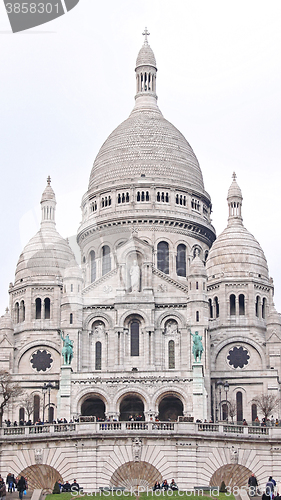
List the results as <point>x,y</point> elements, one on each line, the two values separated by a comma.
<point>137,445</point>
<point>162,288</point>
<point>38,454</point>
<point>171,327</point>
<point>197,348</point>
<point>67,350</point>
<point>135,277</point>
<point>99,329</point>
<point>107,288</point>
<point>234,455</point>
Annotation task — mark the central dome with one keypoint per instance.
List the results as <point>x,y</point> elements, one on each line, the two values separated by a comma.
<point>147,145</point>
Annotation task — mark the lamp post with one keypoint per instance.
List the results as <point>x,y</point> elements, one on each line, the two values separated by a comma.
<point>219,385</point>
<point>226,387</point>
<point>44,390</point>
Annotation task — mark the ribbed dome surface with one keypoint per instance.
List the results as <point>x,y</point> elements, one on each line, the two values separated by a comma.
<point>236,253</point>
<point>146,56</point>
<point>46,254</point>
<point>147,145</point>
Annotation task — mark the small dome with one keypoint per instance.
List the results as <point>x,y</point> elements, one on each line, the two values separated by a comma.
<point>197,267</point>
<point>6,321</point>
<point>46,254</point>
<point>236,253</point>
<point>73,270</point>
<point>146,56</point>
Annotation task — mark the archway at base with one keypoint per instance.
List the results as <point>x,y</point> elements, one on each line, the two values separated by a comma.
<point>170,408</point>
<point>41,476</point>
<point>134,475</point>
<point>93,406</point>
<point>232,475</point>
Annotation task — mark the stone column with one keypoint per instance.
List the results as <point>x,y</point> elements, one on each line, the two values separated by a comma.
<point>64,393</point>
<point>199,403</point>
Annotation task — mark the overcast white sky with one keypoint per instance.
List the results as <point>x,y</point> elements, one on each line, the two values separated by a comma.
<point>67,84</point>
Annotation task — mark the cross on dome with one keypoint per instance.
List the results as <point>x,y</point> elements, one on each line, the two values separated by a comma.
<point>146,33</point>
<point>49,180</point>
<point>234,176</point>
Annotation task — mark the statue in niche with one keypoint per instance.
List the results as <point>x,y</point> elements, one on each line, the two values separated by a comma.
<point>135,276</point>
<point>197,348</point>
<point>171,327</point>
<point>67,350</point>
<point>98,329</point>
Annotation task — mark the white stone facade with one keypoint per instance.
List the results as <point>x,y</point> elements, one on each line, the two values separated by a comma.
<point>151,274</point>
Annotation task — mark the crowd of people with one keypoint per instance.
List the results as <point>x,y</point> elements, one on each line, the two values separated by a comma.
<point>38,422</point>
<point>13,483</point>
<point>67,487</point>
<point>165,485</point>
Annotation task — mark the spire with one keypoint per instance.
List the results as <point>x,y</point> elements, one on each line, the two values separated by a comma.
<point>48,205</point>
<point>146,74</point>
<point>234,199</point>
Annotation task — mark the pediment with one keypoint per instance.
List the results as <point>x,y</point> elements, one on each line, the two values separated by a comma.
<point>134,246</point>
<point>5,342</point>
<point>274,337</point>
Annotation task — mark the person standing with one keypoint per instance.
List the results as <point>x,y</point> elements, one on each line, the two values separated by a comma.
<point>252,483</point>
<point>269,487</point>
<point>2,489</point>
<point>21,486</point>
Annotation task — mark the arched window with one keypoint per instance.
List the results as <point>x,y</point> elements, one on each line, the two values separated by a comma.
<point>22,310</point>
<point>135,341</point>
<point>181,260</point>
<point>71,318</point>
<point>210,309</point>
<point>93,266</point>
<point>98,356</point>
<point>258,307</point>
<point>106,260</point>
<point>171,354</point>
<point>21,414</point>
<point>51,414</point>
<point>17,312</point>
<point>224,411</point>
<point>241,304</point>
<point>163,256</point>
<point>263,308</point>
<point>197,316</point>
<point>217,307</point>
<point>239,406</point>
<point>36,408</point>
<point>232,302</point>
<point>47,307</point>
<point>254,412</point>
<point>38,308</point>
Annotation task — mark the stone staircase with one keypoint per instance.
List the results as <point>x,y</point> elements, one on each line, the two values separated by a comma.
<point>15,495</point>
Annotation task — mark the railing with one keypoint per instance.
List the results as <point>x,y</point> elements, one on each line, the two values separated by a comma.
<point>181,428</point>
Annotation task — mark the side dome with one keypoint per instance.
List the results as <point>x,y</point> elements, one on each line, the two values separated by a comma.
<point>47,253</point>
<point>236,252</point>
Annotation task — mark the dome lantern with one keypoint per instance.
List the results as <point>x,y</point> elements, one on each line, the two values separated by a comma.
<point>234,199</point>
<point>48,205</point>
<point>146,71</point>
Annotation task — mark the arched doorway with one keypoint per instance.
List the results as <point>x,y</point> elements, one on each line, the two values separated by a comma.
<point>170,408</point>
<point>134,475</point>
<point>41,476</point>
<point>232,475</point>
<point>131,408</point>
<point>94,407</point>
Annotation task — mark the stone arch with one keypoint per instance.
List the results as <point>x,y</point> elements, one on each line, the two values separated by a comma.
<point>97,316</point>
<point>33,345</point>
<point>135,313</point>
<point>126,392</point>
<point>243,340</point>
<point>92,395</point>
<point>41,476</point>
<point>170,404</point>
<point>170,315</point>
<point>134,475</point>
<point>168,391</point>
<point>232,475</point>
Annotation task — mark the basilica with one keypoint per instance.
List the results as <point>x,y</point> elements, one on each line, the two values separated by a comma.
<point>160,320</point>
